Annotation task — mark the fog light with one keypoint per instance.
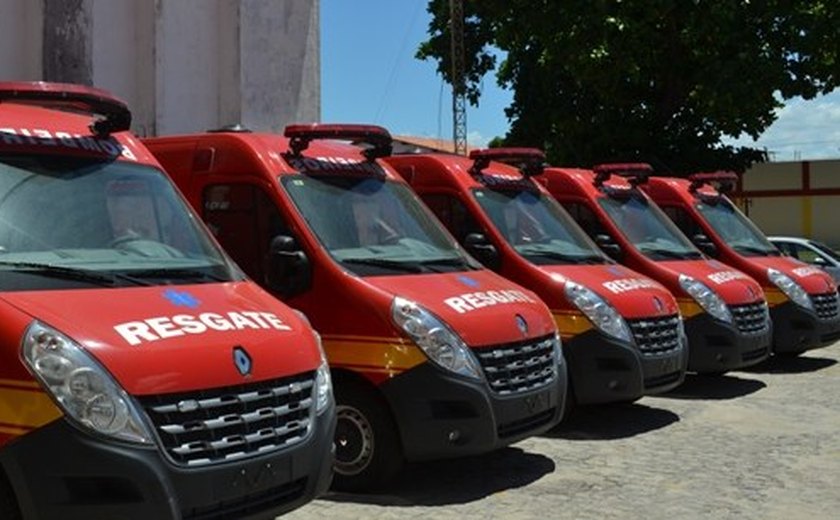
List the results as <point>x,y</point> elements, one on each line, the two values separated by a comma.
<point>454,435</point>
<point>612,385</point>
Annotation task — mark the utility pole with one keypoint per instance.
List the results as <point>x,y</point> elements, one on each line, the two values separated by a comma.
<point>459,96</point>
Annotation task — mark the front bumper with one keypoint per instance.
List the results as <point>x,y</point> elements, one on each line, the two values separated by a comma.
<point>715,346</point>
<point>603,369</point>
<point>444,416</point>
<point>59,472</point>
<point>796,329</point>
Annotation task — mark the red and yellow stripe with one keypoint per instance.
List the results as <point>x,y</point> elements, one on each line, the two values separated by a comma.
<point>24,406</point>
<point>774,296</point>
<point>381,357</point>
<point>570,323</point>
<point>689,307</point>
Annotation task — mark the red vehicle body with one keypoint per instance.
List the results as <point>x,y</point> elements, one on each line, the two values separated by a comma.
<point>141,374</point>
<point>629,344</point>
<point>725,312</point>
<point>803,299</point>
<point>432,355</point>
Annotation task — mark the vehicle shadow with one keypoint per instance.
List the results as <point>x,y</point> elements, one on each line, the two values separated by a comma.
<point>717,387</point>
<point>790,365</point>
<point>611,421</point>
<point>457,481</point>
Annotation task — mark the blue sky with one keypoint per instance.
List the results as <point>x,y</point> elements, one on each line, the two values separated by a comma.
<point>369,75</point>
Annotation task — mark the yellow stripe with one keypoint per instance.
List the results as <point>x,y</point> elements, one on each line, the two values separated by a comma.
<point>570,323</point>
<point>13,431</point>
<point>689,307</point>
<point>382,356</point>
<point>18,383</point>
<point>26,408</point>
<point>362,339</point>
<point>774,296</point>
<point>807,228</point>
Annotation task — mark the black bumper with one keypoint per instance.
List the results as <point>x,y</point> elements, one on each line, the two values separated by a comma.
<point>796,329</point>
<point>603,369</point>
<point>59,472</point>
<point>444,416</point>
<point>715,346</point>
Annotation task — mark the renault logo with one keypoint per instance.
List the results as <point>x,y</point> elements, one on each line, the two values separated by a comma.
<point>242,361</point>
<point>658,304</point>
<point>522,324</point>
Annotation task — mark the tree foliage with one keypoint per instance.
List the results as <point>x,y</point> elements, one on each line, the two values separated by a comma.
<point>661,81</point>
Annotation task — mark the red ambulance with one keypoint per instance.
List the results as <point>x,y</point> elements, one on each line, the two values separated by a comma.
<point>725,312</point>
<point>803,299</point>
<point>142,375</point>
<point>431,354</point>
<point>622,333</point>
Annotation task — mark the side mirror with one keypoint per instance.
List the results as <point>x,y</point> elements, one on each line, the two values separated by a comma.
<point>477,245</point>
<point>608,245</point>
<point>819,261</point>
<point>705,244</point>
<point>289,270</point>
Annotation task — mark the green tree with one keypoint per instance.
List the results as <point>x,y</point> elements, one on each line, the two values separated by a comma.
<point>660,81</point>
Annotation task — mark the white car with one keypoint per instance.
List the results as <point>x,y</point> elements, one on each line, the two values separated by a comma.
<point>811,252</point>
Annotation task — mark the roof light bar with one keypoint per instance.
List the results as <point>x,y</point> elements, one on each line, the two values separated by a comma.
<point>637,173</point>
<point>379,138</point>
<point>109,112</point>
<point>726,180</point>
<point>530,161</point>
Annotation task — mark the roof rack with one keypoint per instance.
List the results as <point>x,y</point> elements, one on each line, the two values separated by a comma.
<point>379,138</point>
<point>531,161</point>
<point>110,113</point>
<point>636,173</point>
<point>725,179</point>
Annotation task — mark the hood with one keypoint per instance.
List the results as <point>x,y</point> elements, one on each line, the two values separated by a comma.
<point>168,339</point>
<point>813,279</point>
<point>632,294</point>
<point>732,285</point>
<point>480,306</point>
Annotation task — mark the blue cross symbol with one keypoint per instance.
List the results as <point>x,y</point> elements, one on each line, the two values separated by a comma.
<point>181,299</point>
<point>466,280</point>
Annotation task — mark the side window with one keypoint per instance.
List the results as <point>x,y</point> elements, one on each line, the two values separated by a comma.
<point>244,219</point>
<point>683,220</point>
<point>454,215</point>
<point>785,248</point>
<point>803,253</point>
<point>586,218</point>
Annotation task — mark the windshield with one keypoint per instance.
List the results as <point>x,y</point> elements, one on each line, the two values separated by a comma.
<point>537,227</point>
<point>647,228</point>
<point>374,226</point>
<point>76,223</point>
<point>734,228</point>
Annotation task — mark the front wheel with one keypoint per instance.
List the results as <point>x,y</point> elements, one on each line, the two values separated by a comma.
<point>368,454</point>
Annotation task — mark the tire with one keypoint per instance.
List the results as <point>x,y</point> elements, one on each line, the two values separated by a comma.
<point>368,454</point>
<point>8,504</point>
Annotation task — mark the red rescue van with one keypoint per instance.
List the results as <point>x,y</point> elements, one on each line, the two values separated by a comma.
<point>725,312</point>
<point>622,333</point>
<point>142,375</point>
<point>431,354</point>
<point>803,299</point>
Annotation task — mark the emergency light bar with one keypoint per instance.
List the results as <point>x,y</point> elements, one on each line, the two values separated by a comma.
<point>110,113</point>
<point>529,160</point>
<point>637,173</point>
<point>301,135</point>
<point>726,180</point>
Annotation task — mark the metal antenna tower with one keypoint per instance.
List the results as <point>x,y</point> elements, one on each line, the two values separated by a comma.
<point>459,95</point>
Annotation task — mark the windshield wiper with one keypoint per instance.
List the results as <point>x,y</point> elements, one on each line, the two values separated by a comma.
<point>71,273</point>
<point>450,262</point>
<point>667,253</point>
<point>577,259</point>
<point>178,274</point>
<point>756,250</point>
<point>411,267</point>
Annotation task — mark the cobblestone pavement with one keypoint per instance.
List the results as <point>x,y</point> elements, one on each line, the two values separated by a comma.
<point>759,444</point>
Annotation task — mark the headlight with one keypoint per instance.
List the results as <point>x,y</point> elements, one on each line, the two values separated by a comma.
<point>81,387</point>
<point>600,313</point>
<point>706,298</point>
<point>792,290</point>
<point>323,380</point>
<point>435,338</point>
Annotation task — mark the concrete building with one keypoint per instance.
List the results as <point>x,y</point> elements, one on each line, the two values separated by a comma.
<point>181,65</point>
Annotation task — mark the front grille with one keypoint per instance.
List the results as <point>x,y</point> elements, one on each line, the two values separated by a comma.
<point>224,424</point>
<point>656,336</point>
<point>519,367</point>
<point>826,305</point>
<point>752,318</point>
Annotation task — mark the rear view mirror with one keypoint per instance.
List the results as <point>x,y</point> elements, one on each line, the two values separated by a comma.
<point>608,246</point>
<point>478,246</point>
<point>819,261</point>
<point>705,244</point>
<point>289,269</point>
